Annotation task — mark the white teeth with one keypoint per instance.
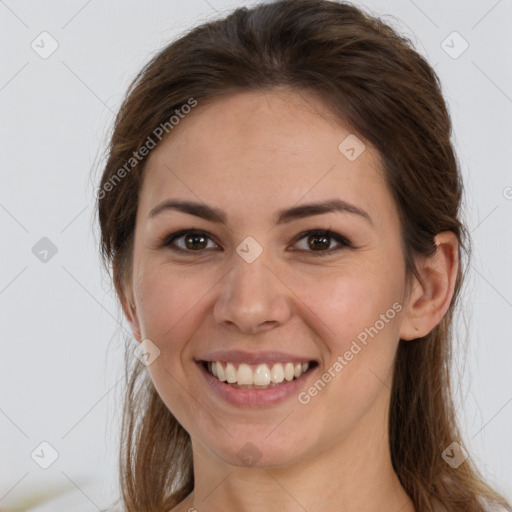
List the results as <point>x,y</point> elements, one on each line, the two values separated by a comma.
<point>244,374</point>
<point>230,373</point>
<point>277,373</point>
<point>221,374</point>
<point>260,376</point>
<point>289,371</point>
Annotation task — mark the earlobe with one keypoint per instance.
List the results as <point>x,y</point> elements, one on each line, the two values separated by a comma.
<point>430,297</point>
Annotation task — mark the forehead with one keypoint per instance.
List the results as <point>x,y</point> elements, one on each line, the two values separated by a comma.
<point>253,149</point>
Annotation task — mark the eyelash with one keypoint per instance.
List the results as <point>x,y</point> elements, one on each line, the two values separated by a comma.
<point>344,243</point>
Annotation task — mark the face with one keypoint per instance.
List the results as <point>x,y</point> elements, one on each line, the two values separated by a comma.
<point>274,280</point>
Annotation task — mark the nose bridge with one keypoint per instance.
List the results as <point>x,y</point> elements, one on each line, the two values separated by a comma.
<point>251,297</point>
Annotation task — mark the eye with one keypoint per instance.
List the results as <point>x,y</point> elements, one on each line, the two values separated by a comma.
<point>192,241</point>
<point>317,242</point>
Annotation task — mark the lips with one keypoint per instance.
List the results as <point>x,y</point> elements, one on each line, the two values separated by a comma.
<point>254,396</point>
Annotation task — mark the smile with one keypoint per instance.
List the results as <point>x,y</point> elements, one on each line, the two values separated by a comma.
<point>242,394</point>
<point>261,376</point>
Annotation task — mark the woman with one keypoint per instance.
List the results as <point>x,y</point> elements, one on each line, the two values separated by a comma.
<point>280,207</point>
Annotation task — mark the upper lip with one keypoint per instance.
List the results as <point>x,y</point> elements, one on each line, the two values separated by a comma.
<point>242,356</point>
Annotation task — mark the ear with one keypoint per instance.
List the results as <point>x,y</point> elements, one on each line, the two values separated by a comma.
<point>126,297</point>
<point>430,297</point>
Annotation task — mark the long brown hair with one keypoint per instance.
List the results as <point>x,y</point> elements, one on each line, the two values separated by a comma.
<point>374,80</point>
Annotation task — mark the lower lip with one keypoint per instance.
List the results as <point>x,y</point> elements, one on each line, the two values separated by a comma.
<point>256,397</point>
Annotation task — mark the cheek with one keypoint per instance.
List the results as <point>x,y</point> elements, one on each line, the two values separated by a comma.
<point>169,305</point>
<point>350,302</point>
<point>166,305</point>
<point>358,318</point>
<point>358,321</point>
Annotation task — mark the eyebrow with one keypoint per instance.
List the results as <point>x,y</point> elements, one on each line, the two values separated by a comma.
<point>213,214</point>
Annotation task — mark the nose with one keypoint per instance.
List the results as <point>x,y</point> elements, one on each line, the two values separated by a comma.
<point>252,298</point>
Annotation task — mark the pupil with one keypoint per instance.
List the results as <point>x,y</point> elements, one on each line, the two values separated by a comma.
<point>323,245</point>
<point>192,239</point>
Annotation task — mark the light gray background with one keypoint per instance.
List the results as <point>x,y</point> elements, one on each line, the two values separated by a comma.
<point>61,357</point>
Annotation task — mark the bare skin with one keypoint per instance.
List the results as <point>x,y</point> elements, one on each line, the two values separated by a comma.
<point>252,155</point>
